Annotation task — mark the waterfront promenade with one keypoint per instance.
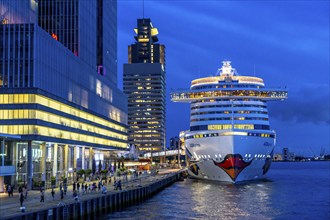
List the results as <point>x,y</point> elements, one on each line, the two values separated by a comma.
<point>10,206</point>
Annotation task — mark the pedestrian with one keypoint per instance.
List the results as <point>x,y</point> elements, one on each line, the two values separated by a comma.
<point>99,186</point>
<point>53,193</point>
<point>62,194</point>
<point>119,184</point>
<point>115,185</point>
<point>61,186</point>
<point>65,187</point>
<point>78,186</point>
<point>20,189</point>
<point>74,186</point>
<point>86,188</point>
<point>89,188</point>
<point>25,191</point>
<point>10,190</point>
<point>104,189</point>
<point>42,196</point>
<point>21,198</point>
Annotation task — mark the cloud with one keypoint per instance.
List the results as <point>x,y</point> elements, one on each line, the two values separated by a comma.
<point>309,104</point>
<point>211,22</point>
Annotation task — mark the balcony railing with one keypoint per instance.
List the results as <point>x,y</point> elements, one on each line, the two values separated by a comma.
<point>264,94</point>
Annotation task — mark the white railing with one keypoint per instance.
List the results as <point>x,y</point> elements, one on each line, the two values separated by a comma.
<point>163,153</point>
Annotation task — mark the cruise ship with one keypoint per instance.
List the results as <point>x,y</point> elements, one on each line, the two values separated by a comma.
<point>230,137</point>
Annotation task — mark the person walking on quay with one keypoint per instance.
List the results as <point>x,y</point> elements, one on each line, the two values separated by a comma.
<point>119,184</point>
<point>99,185</point>
<point>74,186</point>
<point>78,186</point>
<point>21,198</point>
<point>25,192</point>
<point>10,190</point>
<point>20,189</point>
<point>53,193</point>
<point>61,187</point>
<point>115,185</point>
<point>65,187</point>
<point>7,190</point>
<point>62,194</point>
<point>104,189</point>
<point>86,188</point>
<point>42,196</point>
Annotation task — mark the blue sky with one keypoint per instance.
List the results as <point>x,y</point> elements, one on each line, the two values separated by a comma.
<point>284,42</point>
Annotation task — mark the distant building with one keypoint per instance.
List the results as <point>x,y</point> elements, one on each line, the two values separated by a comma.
<point>145,86</point>
<point>277,157</point>
<point>287,155</point>
<point>174,143</point>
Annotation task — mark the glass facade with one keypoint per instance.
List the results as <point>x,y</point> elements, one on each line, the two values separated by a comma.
<point>63,113</point>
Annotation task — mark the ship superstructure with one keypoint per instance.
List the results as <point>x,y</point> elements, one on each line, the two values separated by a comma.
<point>230,137</point>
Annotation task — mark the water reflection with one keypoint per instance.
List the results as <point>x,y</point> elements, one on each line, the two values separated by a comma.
<point>195,199</point>
<point>228,201</point>
<point>301,192</point>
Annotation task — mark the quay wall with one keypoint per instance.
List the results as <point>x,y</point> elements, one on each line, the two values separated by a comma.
<point>102,204</point>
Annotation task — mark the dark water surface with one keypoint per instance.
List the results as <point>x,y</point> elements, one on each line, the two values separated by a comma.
<point>293,190</point>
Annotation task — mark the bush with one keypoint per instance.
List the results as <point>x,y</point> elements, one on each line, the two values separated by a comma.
<point>88,172</point>
<point>53,180</point>
<point>104,171</point>
<point>64,179</point>
<point>81,172</point>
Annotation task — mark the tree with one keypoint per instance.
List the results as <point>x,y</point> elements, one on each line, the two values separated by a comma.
<point>104,173</point>
<point>81,172</point>
<point>88,172</point>
<point>53,181</point>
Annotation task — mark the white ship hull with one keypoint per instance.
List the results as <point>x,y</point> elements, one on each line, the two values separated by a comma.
<point>230,158</point>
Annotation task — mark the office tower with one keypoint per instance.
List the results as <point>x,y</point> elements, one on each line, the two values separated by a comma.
<point>60,108</point>
<point>145,86</point>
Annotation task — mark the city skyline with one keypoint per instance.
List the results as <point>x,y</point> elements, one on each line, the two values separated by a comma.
<point>285,43</point>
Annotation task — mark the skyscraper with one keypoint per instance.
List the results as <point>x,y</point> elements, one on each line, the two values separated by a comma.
<point>145,86</point>
<point>60,108</point>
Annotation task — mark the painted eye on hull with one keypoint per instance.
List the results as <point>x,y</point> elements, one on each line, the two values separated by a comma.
<point>233,164</point>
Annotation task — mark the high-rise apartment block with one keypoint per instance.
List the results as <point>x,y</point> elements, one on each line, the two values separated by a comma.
<point>60,108</point>
<point>145,86</point>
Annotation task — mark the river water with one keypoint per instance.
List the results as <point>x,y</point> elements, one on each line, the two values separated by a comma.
<point>293,190</point>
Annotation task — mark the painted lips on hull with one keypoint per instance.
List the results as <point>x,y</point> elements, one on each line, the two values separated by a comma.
<point>233,164</point>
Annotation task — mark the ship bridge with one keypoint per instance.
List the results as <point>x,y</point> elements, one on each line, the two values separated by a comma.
<point>228,85</point>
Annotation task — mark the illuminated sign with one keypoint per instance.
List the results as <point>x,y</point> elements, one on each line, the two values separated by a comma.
<point>54,36</point>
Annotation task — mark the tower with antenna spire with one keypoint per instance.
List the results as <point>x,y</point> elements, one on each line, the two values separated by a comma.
<point>145,86</point>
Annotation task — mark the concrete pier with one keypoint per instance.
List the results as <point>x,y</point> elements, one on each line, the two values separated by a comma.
<point>97,204</point>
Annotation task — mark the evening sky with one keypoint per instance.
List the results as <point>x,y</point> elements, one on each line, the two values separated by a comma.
<point>284,42</point>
